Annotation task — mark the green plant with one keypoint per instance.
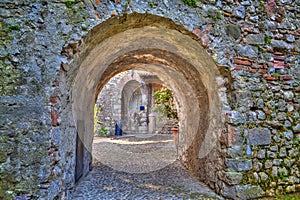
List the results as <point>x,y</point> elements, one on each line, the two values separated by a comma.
<point>268,39</point>
<point>192,3</point>
<point>27,23</point>
<point>215,14</point>
<point>261,4</point>
<point>13,27</point>
<point>296,139</point>
<point>151,4</point>
<point>275,74</point>
<point>165,104</point>
<point>102,131</point>
<point>69,3</point>
<point>260,49</point>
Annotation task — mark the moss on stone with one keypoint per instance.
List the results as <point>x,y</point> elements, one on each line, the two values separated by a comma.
<point>192,3</point>
<point>3,139</point>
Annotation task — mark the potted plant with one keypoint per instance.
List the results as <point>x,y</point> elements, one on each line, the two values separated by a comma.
<point>165,105</point>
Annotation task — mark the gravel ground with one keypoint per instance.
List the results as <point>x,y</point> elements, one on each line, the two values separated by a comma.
<point>149,171</point>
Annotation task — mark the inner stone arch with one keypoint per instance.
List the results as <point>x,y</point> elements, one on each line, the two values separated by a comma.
<point>132,94</point>
<point>179,61</point>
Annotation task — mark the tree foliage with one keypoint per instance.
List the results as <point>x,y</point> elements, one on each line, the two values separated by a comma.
<point>165,104</point>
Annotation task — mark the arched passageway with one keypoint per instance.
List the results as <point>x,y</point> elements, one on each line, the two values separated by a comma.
<point>132,99</point>
<point>156,45</point>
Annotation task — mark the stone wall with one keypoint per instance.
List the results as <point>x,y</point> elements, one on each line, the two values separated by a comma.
<point>109,104</point>
<point>255,45</point>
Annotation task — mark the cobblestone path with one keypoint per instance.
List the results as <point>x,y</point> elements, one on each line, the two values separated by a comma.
<point>139,167</point>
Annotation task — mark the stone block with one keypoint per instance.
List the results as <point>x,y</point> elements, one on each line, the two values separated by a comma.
<point>263,176</point>
<point>290,189</point>
<point>279,190</point>
<point>247,51</point>
<point>229,191</point>
<point>233,31</point>
<point>274,148</point>
<point>282,152</point>
<point>293,180</point>
<point>289,162</point>
<point>268,164</point>
<point>277,162</point>
<point>296,128</point>
<point>273,184</point>
<point>239,165</point>
<point>261,154</point>
<point>249,192</point>
<point>270,193</point>
<point>255,39</point>
<point>257,165</point>
<point>260,136</point>
<point>237,118</point>
<point>239,12</point>
<point>56,136</point>
<point>293,152</point>
<point>283,171</point>
<point>233,178</point>
<point>231,137</point>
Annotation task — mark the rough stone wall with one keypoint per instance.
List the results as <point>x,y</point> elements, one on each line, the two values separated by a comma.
<point>109,104</point>
<point>256,44</point>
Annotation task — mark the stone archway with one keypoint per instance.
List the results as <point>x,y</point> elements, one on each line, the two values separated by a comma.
<point>157,45</point>
<point>131,100</point>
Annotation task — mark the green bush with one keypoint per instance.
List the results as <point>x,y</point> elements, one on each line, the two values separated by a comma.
<point>164,104</point>
<point>102,131</point>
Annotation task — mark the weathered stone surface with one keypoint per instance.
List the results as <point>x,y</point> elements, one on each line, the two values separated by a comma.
<point>274,148</point>
<point>277,44</point>
<point>288,135</point>
<point>260,136</point>
<point>296,128</point>
<point>274,171</point>
<point>282,152</point>
<point>268,164</point>
<point>247,51</point>
<point>233,178</point>
<point>240,12</point>
<point>229,191</point>
<point>237,117</point>
<point>249,192</point>
<point>44,42</point>
<point>263,176</point>
<point>239,165</point>
<point>255,39</point>
<point>277,162</point>
<point>261,154</point>
<point>271,154</point>
<point>233,31</point>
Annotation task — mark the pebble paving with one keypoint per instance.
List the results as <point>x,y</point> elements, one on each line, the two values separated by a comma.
<point>167,182</point>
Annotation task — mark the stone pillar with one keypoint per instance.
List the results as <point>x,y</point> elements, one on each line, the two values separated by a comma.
<point>152,123</point>
<point>143,128</point>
